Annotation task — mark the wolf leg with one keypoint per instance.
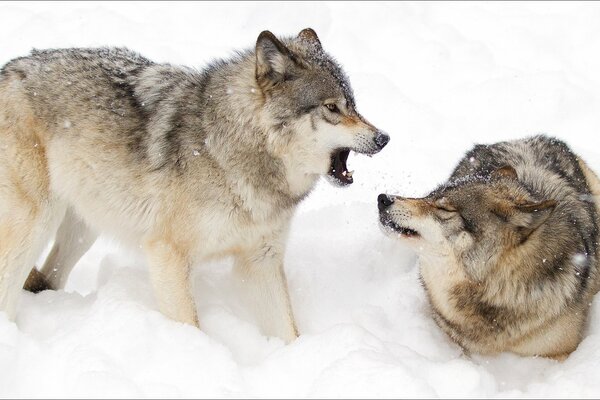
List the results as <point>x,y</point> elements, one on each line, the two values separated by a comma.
<point>73,240</point>
<point>262,278</point>
<point>28,218</point>
<point>170,277</point>
<point>23,235</point>
<point>29,213</point>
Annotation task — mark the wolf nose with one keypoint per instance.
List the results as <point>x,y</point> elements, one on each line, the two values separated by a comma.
<point>384,201</point>
<point>381,139</point>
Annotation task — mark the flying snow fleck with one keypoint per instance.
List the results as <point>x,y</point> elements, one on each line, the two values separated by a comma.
<point>579,259</point>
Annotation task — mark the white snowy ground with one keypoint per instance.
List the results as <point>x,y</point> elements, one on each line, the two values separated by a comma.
<point>438,77</point>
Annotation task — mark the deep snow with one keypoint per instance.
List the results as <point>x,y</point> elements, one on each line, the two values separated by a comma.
<point>438,77</point>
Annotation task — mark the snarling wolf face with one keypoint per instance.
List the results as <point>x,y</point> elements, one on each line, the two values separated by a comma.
<point>311,107</point>
<point>477,220</point>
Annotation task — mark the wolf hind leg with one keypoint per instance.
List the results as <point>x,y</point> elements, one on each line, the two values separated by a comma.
<point>262,279</point>
<point>73,239</point>
<point>24,232</point>
<point>29,212</point>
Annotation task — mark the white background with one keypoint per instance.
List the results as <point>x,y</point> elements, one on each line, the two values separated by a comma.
<point>438,77</point>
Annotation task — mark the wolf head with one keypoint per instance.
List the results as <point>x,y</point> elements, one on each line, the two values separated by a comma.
<point>476,220</point>
<point>310,105</point>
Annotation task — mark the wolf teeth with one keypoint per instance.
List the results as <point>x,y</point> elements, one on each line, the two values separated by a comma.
<point>349,174</point>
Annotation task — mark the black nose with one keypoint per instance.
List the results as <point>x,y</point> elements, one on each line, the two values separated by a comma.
<point>384,201</point>
<point>381,139</point>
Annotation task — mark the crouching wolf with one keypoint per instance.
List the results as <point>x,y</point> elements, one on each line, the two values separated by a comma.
<point>508,247</point>
<point>190,165</point>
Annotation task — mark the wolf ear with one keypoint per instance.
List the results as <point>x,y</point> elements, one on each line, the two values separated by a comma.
<point>272,59</point>
<point>530,216</point>
<point>310,36</point>
<point>505,172</point>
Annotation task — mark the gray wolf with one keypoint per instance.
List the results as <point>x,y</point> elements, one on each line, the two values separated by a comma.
<point>190,165</point>
<point>508,247</point>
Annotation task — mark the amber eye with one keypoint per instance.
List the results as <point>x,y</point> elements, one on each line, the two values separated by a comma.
<point>333,108</point>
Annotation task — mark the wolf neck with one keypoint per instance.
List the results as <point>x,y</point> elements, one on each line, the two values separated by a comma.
<point>241,145</point>
<point>213,122</point>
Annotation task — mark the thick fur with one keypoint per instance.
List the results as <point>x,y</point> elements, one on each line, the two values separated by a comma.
<point>189,165</point>
<point>508,247</point>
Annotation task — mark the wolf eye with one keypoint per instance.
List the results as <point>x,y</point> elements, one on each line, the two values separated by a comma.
<point>333,108</point>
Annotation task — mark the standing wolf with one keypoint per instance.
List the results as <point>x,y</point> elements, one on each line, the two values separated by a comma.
<point>191,165</point>
<point>508,247</point>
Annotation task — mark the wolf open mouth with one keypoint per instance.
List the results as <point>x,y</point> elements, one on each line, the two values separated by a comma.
<point>387,222</point>
<point>339,169</point>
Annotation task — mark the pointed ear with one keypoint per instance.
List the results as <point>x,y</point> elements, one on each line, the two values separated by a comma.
<point>272,59</point>
<point>505,172</point>
<point>310,36</point>
<point>530,216</point>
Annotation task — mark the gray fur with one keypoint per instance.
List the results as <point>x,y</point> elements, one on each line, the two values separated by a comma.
<point>517,222</point>
<point>191,164</point>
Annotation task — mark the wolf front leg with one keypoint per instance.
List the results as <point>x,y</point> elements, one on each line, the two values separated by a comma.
<point>262,278</point>
<point>170,277</point>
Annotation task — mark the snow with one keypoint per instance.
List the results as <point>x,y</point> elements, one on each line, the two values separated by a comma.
<point>438,77</point>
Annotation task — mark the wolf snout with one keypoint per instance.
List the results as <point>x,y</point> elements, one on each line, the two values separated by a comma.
<point>381,139</point>
<point>384,201</point>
